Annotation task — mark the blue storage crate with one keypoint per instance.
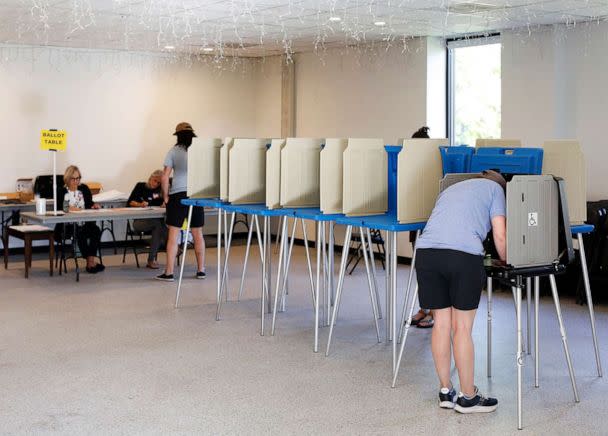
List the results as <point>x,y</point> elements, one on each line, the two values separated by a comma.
<point>508,160</point>
<point>456,159</point>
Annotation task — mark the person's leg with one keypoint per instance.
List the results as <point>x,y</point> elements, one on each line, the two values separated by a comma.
<point>172,237</point>
<point>88,242</point>
<point>158,233</point>
<point>464,353</point>
<point>199,248</point>
<point>441,345</point>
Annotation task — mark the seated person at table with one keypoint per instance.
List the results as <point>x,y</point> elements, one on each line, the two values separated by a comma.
<point>451,275</point>
<point>147,194</point>
<point>75,196</point>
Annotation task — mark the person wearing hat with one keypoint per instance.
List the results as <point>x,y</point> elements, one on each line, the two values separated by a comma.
<point>450,271</point>
<point>176,161</point>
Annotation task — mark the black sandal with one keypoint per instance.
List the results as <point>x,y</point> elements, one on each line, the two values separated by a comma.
<point>426,323</point>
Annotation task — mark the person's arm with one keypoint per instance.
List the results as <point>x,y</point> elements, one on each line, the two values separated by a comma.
<point>165,183</point>
<point>136,195</point>
<point>499,234</point>
<point>88,197</point>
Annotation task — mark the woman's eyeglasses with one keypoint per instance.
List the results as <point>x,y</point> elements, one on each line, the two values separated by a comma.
<point>75,178</point>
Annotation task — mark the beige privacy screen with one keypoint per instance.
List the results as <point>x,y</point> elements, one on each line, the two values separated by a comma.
<point>300,172</point>
<point>419,173</point>
<point>487,142</point>
<point>365,184</point>
<point>204,168</point>
<point>565,159</point>
<point>332,164</point>
<point>273,173</point>
<point>224,152</point>
<point>247,171</point>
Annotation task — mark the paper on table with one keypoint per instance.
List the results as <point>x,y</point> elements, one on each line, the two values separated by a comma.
<point>31,228</point>
<point>111,195</point>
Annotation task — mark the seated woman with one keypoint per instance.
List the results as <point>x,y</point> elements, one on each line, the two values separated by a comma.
<point>148,194</point>
<point>76,196</point>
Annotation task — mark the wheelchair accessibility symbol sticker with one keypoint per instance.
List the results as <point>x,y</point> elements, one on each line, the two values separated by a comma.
<point>533,219</point>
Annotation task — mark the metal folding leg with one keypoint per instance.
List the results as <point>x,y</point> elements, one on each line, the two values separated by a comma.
<point>562,330</point>
<point>347,237</point>
<point>536,323</point>
<point>223,284</point>
<point>184,249</point>
<point>489,327</point>
<point>519,356</point>
<point>528,314</point>
<point>317,288</point>
<point>409,287</point>
<point>219,256</point>
<point>598,361</point>
<point>389,264</point>
<point>310,275</point>
<point>249,235</point>
<point>374,276</point>
<point>408,324</point>
<point>372,293</point>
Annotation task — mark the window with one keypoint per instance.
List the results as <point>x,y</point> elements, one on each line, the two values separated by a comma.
<point>474,89</point>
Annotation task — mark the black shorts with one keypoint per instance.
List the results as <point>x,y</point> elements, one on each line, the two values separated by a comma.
<point>449,278</point>
<point>178,212</point>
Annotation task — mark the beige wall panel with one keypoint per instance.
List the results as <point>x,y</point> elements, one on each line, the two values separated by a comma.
<point>273,174</point>
<point>489,142</point>
<point>365,185</point>
<point>224,153</point>
<point>247,171</point>
<point>331,177</point>
<point>419,173</point>
<point>565,159</point>
<point>300,161</point>
<point>204,168</point>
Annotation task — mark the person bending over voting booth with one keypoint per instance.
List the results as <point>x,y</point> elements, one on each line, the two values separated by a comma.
<point>451,276</point>
<point>176,161</point>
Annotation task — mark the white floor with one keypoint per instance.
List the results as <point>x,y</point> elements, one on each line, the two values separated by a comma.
<point>110,355</point>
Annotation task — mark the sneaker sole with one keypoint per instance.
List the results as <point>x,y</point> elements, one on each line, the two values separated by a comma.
<point>164,280</point>
<point>475,409</point>
<point>446,404</point>
<point>201,278</point>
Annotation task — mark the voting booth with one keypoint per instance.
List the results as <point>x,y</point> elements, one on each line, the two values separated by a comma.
<point>565,159</point>
<point>418,176</point>
<point>247,171</point>
<point>204,168</point>
<point>489,142</point>
<point>331,175</point>
<point>365,184</point>
<point>273,173</point>
<point>224,153</point>
<point>300,165</point>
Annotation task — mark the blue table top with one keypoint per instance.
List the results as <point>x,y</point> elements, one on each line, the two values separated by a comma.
<point>581,228</point>
<point>204,202</point>
<point>380,222</point>
<point>315,214</point>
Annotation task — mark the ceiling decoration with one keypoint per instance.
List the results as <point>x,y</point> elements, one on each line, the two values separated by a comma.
<point>221,28</point>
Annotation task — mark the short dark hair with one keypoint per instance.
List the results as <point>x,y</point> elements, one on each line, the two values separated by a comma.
<point>422,132</point>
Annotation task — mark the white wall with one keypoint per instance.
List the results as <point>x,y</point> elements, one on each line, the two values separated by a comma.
<point>554,86</point>
<point>370,93</point>
<point>119,112</point>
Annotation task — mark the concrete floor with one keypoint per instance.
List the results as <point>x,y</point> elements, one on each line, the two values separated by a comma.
<point>110,355</point>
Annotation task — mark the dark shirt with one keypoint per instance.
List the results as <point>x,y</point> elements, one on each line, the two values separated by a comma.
<point>141,192</point>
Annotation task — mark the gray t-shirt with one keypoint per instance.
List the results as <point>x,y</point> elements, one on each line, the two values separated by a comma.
<point>461,218</point>
<point>177,158</point>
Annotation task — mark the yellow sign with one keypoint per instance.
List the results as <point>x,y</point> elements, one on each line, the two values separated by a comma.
<point>53,140</point>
